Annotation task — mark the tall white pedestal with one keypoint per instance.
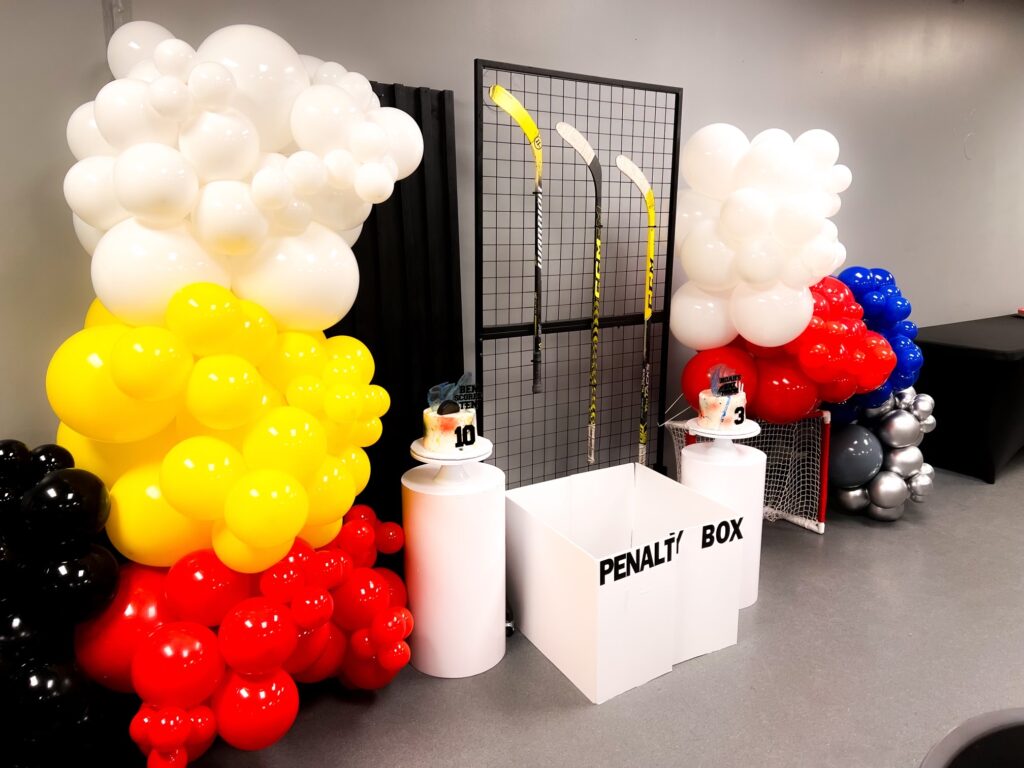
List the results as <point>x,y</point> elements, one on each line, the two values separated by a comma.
<point>454,519</point>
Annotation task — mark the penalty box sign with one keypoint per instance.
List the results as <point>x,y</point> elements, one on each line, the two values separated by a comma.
<point>625,564</point>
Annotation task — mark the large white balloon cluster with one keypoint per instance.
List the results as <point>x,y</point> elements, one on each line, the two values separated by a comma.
<point>241,163</point>
<point>753,233</point>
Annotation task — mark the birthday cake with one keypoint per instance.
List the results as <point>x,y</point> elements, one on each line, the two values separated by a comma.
<point>449,427</point>
<point>724,405</point>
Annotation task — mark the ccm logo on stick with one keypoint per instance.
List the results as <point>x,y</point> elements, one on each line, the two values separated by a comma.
<point>723,533</point>
<point>640,559</point>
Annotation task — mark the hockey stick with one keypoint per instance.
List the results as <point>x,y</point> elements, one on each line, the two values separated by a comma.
<point>575,139</point>
<point>629,168</point>
<point>518,112</point>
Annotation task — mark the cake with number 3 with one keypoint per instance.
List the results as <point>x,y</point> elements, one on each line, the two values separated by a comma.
<point>724,406</point>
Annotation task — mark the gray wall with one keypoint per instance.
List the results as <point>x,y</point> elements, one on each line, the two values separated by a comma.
<point>925,96</point>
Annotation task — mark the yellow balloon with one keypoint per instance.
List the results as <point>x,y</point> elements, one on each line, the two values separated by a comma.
<point>288,439</point>
<point>265,508</point>
<point>207,316</point>
<point>150,363</point>
<point>344,402</point>
<point>144,527</point>
<point>321,535</point>
<point>306,392</point>
<point>331,492</point>
<point>224,391</point>
<point>365,433</point>
<point>376,402</point>
<point>239,556</point>
<point>255,339</point>
<point>358,464</point>
<point>82,392</point>
<point>295,354</point>
<point>99,315</point>
<point>197,473</point>
<point>337,437</point>
<point>348,360</point>
<point>109,461</point>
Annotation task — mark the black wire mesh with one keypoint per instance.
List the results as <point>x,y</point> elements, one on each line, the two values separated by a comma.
<point>543,436</point>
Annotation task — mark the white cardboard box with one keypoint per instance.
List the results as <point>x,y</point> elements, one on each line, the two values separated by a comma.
<point>617,574</point>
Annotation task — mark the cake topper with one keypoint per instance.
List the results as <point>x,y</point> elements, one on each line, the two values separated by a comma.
<point>446,392</point>
<point>724,382</point>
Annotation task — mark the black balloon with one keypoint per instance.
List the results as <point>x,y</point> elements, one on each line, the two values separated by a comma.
<point>61,513</point>
<point>43,695</point>
<point>48,458</point>
<point>25,635</point>
<point>13,463</point>
<point>76,588</point>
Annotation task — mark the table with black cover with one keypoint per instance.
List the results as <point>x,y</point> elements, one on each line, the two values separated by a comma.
<point>975,372</point>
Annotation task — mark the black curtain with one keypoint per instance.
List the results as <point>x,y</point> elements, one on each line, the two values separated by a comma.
<point>409,307</point>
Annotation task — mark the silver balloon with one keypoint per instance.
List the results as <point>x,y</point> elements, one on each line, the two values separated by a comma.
<point>852,499</point>
<point>919,440</point>
<point>886,514</point>
<point>921,485</point>
<point>927,470</point>
<point>884,408</point>
<point>923,406</point>
<point>903,461</point>
<point>887,489</point>
<point>928,424</point>
<point>916,499</point>
<point>898,429</point>
<point>905,398</point>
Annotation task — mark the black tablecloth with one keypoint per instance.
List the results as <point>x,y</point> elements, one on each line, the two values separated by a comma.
<point>975,372</point>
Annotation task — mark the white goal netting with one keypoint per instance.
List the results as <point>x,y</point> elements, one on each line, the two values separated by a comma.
<point>796,484</point>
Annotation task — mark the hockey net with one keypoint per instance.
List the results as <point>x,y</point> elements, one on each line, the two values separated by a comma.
<point>796,481</point>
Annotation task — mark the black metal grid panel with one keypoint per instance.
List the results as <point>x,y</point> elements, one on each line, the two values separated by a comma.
<point>543,436</point>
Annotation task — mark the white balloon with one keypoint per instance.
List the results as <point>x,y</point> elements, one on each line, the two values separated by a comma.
<point>758,263</point>
<point>311,64</point>
<point>775,166</point>
<point>155,183</point>
<point>796,274</point>
<point>367,141</point>
<point>124,117</point>
<point>89,190</point>
<point>709,159</point>
<point>819,146</point>
<point>358,87</point>
<point>169,97</point>
<point>220,145</point>
<point>771,317</point>
<point>321,117</point>
<point>136,270</point>
<point>268,73</point>
<point>404,137</point>
<point>351,235</point>
<point>775,137</point>
<point>211,85</point>
<point>175,58</point>
<point>796,222</point>
<point>693,207</point>
<point>88,236</point>
<point>145,71</point>
<point>274,160</point>
<point>227,221</point>
<point>374,103</point>
<point>818,256</point>
<point>373,183</point>
<point>699,319</point>
<point>84,138</point>
<point>306,172</point>
<point>329,73</point>
<point>834,204</point>
<point>340,209</point>
<point>708,261</point>
<point>133,42</point>
<point>839,257</point>
<point>746,214</point>
<point>829,230</point>
<point>307,282</point>
<point>341,168</point>
<point>292,219</point>
<point>271,189</point>
<point>839,179</point>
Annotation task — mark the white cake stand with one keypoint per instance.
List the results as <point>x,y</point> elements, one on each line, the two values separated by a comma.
<point>452,467</point>
<point>746,430</point>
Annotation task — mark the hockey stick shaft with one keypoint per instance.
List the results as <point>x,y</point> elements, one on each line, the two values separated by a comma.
<point>538,208</point>
<point>645,375</point>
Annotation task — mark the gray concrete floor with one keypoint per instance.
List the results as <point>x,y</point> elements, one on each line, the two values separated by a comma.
<point>866,646</point>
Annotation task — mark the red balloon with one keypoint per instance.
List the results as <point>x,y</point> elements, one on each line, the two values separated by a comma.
<point>394,656</point>
<point>177,758</point>
<point>388,626</point>
<point>169,728</point>
<point>202,733</point>
<point>785,394</point>
<point>390,538</point>
<point>836,293</point>
<point>359,598</point>
<point>356,536</point>
<point>362,673</point>
<point>179,665</point>
<point>361,512</point>
<point>105,645</point>
<point>282,580</point>
<point>309,648</point>
<point>396,587</point>
<point>253,713</point>
<point>756,350</point>
<point>328,568</point>
<point>838,390</point>
<point>697,373</point>
<point>330,659</point>
<point>257,636</point>
<point>138,729</point>
<point>200,588</point>
<point>879,362</point>
<point>311,607</point>
<point>361,644</point>
<point>821,307</point>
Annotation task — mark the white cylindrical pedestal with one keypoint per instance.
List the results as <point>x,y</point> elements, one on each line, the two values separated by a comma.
<point>732,475</point>
<point>454,520</point>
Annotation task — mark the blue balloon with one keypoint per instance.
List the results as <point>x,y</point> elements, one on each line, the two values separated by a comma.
<point>891,290</point>
<point>896,308</point>
<point>899,343</point>
<point>858,280</point>
<point>876,397</point>
<point>909,360</point>
<point>903,380</point>
<point>842,413</point>
<point>906,328</point>
<point>874,306</point>
<point>882,277</point>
